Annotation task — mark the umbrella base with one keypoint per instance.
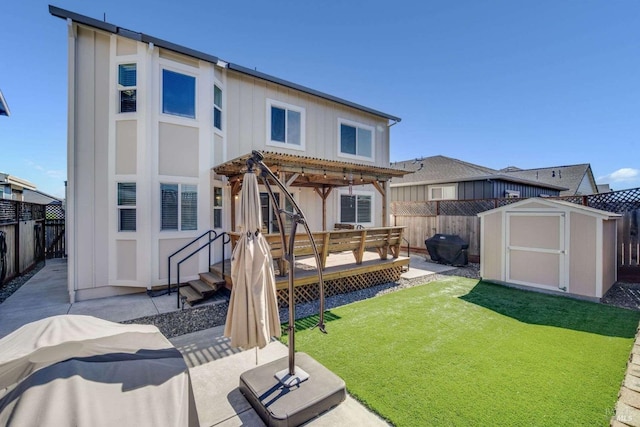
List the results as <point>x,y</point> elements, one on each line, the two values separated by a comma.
<point>281,405</point>
<point>289,380</point>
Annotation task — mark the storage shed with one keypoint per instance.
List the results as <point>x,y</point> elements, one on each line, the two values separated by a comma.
<point>550,244</point>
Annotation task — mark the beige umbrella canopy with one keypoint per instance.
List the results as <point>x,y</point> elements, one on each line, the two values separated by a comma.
<point>253,317</point>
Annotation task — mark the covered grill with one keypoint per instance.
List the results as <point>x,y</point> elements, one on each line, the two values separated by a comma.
<point>447,249</point>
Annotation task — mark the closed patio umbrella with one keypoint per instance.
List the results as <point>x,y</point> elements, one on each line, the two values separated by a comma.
<point>252,318</point>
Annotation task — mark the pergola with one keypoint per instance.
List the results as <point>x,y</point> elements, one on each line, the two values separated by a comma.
<point>320,174</point>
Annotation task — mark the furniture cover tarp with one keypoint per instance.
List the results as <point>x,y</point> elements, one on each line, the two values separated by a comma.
<point>74,370</point>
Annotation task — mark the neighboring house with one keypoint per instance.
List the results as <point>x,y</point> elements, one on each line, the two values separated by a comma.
<point>4,107</point>
<point>578,179</point>
<point>14,188</point>
<point>444,178</point>
<point>148,123</point>
<point>604,188</point>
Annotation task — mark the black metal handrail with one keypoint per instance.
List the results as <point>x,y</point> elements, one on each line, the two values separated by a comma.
<point>226,239</point>
<point>208,232</point>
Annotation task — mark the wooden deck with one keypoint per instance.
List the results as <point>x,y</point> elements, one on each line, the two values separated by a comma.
<point>341,274</point>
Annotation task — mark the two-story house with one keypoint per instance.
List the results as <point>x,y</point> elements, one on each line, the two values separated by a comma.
<point>157,138</point>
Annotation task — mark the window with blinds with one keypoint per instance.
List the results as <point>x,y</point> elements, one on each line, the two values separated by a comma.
<point>127,87</point>
<point>217,107</point>
<point>355,209</point>
<point>178,207</point>
<point>126,206</point>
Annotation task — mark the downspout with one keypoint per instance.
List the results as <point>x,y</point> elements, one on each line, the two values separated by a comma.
<point>70,215</point>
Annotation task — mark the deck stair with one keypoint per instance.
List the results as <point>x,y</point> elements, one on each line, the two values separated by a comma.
<point>203,288</point>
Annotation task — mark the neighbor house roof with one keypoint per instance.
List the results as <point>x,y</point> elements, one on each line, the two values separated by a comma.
<point>568,176</point>
<point>38,197</point>
<point>442,169</point>
<point>141,37</point>
<point>4,108</point>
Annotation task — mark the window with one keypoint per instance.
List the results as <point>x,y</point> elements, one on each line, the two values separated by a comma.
<point>355,208</point>
<point>269,212</point>
<point>217,207</point>
<point>217,107</point>
<point>285,125</point>
<point>178,94</point>
<point>511,194</point>
<point>178,205</point>
<point>126,206</point>
<point>442,192</point>
<point>356,140</point>
<point>127,82</point>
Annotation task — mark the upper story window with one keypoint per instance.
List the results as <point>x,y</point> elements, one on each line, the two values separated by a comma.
<point>178,207</point>
<point>217,107</point>
<point>285,125</point>
<point>178,94</point>
<point>442,192</point>
<point>127,82</point>
<point>356,140</point>
<point>126,206</point>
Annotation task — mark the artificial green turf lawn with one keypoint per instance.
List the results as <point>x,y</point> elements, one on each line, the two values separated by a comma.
<point>463,352</point>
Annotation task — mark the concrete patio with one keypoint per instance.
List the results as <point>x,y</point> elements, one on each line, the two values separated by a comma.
<point>214,365</point>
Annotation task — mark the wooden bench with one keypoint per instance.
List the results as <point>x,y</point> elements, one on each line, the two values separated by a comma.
<point>384,240</point>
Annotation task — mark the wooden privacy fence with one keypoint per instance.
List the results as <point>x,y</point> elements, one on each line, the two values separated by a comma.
<point>21,237</point>
<point>424,219</point>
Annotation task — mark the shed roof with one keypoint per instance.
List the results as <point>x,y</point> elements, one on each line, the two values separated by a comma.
<point>554,204</point>
<point>141,37</point>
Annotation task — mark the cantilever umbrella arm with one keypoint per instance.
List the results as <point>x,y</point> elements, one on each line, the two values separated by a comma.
<point>297,217</point>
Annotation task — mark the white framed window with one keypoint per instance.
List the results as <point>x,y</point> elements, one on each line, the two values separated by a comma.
<point>356,208</point>
<point>285,125</point>
<point>355,140</point>
<point>442,192</point>
<point>217,107</point>
<point>178,207</point>
<point>127,88</point>
<point>217,207</point>
<point>126,206</point>
<point>178,94</point>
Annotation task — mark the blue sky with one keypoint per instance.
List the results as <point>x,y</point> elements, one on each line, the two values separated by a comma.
<point>497,83</point>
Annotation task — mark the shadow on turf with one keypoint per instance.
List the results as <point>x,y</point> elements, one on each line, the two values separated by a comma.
<point>310,322</point>
<point>562,312</point>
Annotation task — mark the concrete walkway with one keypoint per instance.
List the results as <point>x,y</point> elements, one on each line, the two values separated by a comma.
<point>214,365</point>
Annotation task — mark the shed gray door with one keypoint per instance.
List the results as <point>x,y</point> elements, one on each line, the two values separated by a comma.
<point>535,252</point>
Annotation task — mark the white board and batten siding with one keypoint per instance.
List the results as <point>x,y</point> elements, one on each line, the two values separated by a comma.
<point>248,102</point>
<point>550,245</point>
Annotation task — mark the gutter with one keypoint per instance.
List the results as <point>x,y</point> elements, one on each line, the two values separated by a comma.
<point>141,37</point>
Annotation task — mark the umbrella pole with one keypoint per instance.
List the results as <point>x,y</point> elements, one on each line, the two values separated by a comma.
<point>293,375</point>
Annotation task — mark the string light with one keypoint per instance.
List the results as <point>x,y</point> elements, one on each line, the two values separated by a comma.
<point>325,174</point>
<point>302,171</point>
<point>361,178</point>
